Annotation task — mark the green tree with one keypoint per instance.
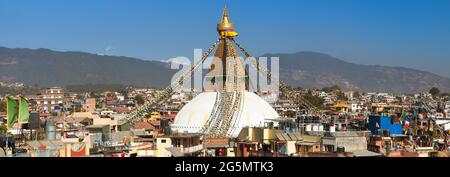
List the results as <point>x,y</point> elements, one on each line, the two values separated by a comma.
<point>399,98</point>
<point>123,92</point>
<point>92,95</point>
<point>3,129</point>
<point>446,99</point>
<point>331,89</point>
<point>342,97</point>
<point>434,91</point>
<point>356,95</point>
<point>78,109</point>
<point>139,99</point>
<point>314,100</point>
<point>445,94</point>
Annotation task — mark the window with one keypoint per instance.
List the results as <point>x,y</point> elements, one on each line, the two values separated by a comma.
<point>163,141</point>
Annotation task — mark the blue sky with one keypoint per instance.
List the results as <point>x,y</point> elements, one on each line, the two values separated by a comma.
<point>409,33</point>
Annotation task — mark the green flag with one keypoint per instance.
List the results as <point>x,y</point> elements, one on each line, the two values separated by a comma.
<point>403,116</point>
<point>12,106</point>
<point>24,114</point>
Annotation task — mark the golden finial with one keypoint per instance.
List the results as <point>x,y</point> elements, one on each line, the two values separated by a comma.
<point>225,16</point>
<point>225,27</point>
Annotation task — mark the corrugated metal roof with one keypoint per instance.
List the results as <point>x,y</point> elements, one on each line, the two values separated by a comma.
<point>280,136</point>
<point>288,136</point>
<point>295,136</point>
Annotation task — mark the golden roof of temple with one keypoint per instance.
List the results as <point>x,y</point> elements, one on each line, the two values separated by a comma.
<point>226,64</point>
<point>225,27</point>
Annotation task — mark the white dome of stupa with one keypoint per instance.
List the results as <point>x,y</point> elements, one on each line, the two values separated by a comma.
<point>193,116</point>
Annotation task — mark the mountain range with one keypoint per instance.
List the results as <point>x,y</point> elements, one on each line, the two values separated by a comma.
<point>44,67</point>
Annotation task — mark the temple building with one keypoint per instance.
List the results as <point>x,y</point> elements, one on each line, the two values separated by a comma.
<point>226,106</point>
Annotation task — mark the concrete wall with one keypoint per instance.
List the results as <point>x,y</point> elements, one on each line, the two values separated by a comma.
<point>352,144</point>
<point>230,152</point>
<point>349,143</point>
<point>161,147</point>
<point>290,148</point>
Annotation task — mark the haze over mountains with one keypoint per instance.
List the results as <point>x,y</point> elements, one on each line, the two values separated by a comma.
<point>305,69</point>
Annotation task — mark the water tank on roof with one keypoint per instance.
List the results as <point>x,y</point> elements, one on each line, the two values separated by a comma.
<point>308,128</point>
<point>315,128</point>
<point>50,130</point>
<point>332,129</point>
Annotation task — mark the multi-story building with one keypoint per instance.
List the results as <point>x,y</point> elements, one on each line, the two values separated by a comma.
<point>49,99</point>
<point>357,107</point>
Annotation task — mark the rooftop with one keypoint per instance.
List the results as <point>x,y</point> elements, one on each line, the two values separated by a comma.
<point>45,144</point>
<point>72,120</point>
<point>365,153</point>
<point>345,134</point>
<point>289,136</point>
<point>143,125</point>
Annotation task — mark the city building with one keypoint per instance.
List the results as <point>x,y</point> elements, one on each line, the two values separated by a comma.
<point>49,99</point>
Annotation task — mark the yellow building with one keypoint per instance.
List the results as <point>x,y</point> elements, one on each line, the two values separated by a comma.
<point>155,116</point>
<point>341,107</point>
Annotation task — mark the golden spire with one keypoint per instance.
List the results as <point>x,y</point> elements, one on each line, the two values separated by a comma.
<point>225,27</point>
<point>225,16</point>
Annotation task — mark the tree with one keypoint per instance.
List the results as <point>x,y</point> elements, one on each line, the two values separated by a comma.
<point>123,92</point>
<point>92,95</point>
<point>139,99</point>
<point>314,100</point>
<point>434,91</point>
<point>2,106</point>
<point>336,88</point>
<point>331,89</point>
<point>3,129</point>
<point>399,98</point>
<point>445,94</point>
<point>342,97</point>
<point>357,95</point>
